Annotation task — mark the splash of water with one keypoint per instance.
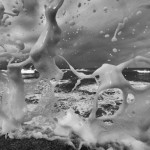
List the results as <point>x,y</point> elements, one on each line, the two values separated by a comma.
<point>2,13</point>
<point>119,27</point>
<point>128,117</point>
<point>130,124</point>
<point>43,59</point>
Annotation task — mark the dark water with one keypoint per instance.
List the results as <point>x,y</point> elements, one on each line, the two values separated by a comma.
<point>131,74</point>
<point>137,74</point>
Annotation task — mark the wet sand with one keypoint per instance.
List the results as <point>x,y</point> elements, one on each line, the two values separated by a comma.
<point>32,144</point>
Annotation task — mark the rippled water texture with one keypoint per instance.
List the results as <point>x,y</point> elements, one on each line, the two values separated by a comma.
<point>100,34</point>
